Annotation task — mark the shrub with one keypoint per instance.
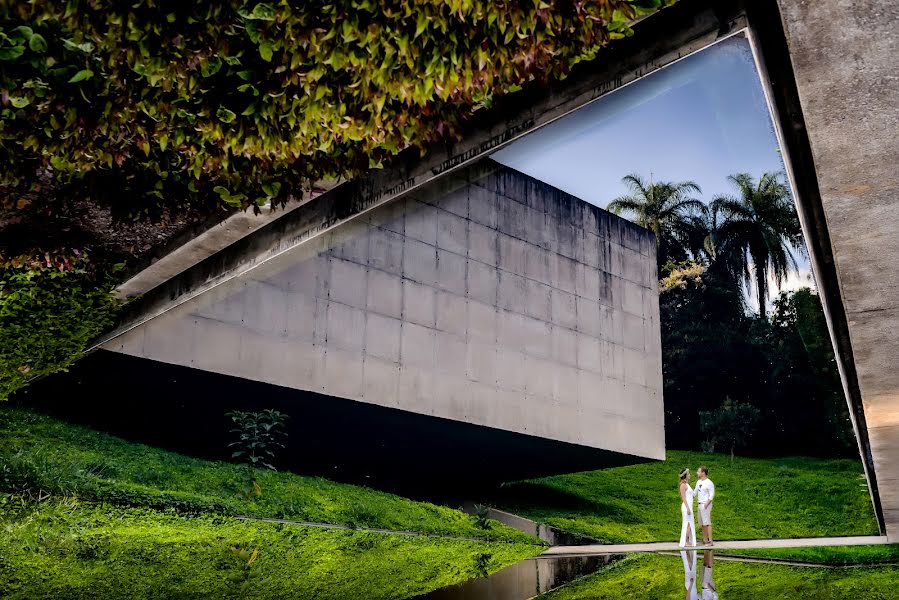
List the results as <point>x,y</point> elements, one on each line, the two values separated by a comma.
<point>50,309</point>
<point>243,103</point>
<point>259,434</point>
<point>730,426</point>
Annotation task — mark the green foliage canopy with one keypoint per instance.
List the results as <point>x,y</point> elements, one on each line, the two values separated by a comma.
<point>152,103</point>
<point>667,209</point>
<point>759,228</point>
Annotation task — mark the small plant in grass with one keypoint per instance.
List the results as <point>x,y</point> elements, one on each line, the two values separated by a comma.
<point>481,516</point>
<point>482,564</point>
<point>245,558</point>
<point>259,435</point>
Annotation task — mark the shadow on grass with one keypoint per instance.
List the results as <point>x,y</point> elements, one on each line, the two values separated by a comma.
<point>529,495</point>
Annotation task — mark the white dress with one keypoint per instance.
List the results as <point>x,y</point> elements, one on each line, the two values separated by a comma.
<point>689,559</point>
<point>687,518</point>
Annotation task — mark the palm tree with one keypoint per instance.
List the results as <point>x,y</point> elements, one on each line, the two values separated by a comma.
<point>667,209</point>
<point>757,231</point>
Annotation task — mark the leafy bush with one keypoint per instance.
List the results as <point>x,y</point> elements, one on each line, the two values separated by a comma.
<point>730,426</point>
<point>50,309</point>
<point>240,103</point>
<point>482,515</point>
<point>258,436</point>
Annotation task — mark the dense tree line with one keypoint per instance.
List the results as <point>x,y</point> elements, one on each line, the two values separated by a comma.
<point>727,367</point>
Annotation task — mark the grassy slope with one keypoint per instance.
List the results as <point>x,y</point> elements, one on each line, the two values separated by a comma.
<point>755,498</point>
<point>60,549</point>
<point>40,453</point>
<point>653,577</point>
<point>831,555</point>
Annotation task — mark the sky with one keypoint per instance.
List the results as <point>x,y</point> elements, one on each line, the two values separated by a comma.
<point>700,119</point>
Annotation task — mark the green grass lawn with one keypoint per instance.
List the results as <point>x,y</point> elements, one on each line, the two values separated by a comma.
<point>653,577</point>
<point>831,555</point>
<point>40,454</point>
<point>83,514</point>
<point>754,498</point>
<point>67,549</point>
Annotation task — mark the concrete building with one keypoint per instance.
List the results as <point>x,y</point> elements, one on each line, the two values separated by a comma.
<point>486,298</point>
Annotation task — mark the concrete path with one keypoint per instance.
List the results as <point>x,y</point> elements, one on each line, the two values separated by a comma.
<point>601,549</point>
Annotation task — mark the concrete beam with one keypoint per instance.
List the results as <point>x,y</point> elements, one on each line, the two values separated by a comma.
<point>830,72</point>
<point>200,247</point>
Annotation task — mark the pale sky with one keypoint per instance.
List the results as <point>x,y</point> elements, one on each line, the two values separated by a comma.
<point>700,119</point>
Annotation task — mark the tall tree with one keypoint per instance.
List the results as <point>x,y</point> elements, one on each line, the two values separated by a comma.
<point>759,231</point>
<point>665,208</point>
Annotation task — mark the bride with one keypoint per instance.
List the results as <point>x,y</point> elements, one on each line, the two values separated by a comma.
<point>688,526</point>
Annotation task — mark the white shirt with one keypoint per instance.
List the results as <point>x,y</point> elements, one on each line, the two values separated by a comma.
<point>705,491</point>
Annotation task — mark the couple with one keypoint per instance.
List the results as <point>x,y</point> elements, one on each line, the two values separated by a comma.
<point>705,493</point>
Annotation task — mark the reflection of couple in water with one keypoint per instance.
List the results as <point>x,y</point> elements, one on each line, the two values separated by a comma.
<point>705,494</point>
<point>705,588</point>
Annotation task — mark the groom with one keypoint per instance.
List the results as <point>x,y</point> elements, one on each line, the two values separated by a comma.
<point>705,493</point>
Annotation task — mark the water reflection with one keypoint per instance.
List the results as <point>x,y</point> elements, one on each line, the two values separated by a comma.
<point>698,579</point>
<point>523,580</point>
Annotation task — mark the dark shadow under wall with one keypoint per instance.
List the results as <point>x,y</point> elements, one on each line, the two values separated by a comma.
<point>183,410</point>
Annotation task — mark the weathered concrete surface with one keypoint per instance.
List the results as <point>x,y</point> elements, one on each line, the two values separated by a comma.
<point>844,56</point>
<point>488,297</point>
<point>217,237</point>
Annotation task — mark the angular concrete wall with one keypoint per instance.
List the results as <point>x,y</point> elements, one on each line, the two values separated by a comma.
<point>843,55</point>
<point>488,298</point>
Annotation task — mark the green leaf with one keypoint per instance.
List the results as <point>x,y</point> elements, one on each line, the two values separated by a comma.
<point>81,75</point>
<point>421,23</point>
<point>262,12</point>
<point>265,51</point>
<point>22,32</point>
<point>271,189</point>
<point>19,101</point>
<point>37,43</point>
<point>225,115</point>
<point>212,66</point>
<point>85,47</point>
<point>11,52</point>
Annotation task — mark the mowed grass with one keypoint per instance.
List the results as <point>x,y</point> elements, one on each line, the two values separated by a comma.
<point>754,498</point>
<point>66,549</point>
<point>654,577</point>
<point>40,455</point>
<point>830,555</point>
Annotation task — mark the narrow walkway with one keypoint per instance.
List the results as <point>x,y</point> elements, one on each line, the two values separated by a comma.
<point>601,549</point>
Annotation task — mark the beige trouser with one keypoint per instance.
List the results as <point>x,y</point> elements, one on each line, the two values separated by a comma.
<point>705,514</point>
